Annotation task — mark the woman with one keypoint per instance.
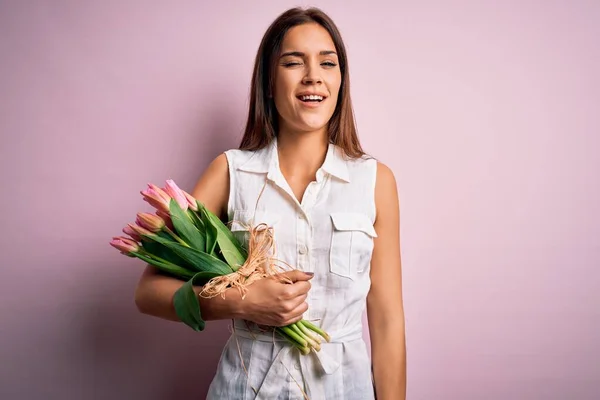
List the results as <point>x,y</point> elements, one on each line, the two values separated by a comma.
<point>300,168</point>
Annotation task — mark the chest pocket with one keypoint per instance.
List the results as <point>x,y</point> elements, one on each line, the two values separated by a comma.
<point>245,219</point>
<point>351,243</point>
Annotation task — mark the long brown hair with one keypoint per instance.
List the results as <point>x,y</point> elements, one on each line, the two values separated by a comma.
<point>262,123</point>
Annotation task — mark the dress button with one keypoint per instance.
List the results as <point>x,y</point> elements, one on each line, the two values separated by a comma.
<point>302,249</point>
<point>297,365</point>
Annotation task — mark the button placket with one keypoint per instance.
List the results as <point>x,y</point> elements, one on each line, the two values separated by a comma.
<point>303,240</point>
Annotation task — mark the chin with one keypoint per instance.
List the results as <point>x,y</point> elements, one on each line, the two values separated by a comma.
<point>312,125</point>
<point>311,128</point>
<point>306,123</point>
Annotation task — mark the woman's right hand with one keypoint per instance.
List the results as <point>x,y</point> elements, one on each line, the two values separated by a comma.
<point>273,303</point>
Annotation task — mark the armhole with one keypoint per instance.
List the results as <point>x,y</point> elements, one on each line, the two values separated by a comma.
<point>232,183</point>
<point>374,188</point>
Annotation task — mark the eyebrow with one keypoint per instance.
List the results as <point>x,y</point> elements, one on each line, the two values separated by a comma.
<point>301,54</point>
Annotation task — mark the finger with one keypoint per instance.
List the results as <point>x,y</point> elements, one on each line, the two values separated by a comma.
<point>296,301</point>
<point>299,288</point>
<point>297,314</point>
<point>297,275</point>
<point>293,320</point>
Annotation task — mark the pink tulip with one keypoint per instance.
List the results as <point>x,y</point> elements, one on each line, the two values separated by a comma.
<point>129,231</point>
<point>191,201</point>
<point>149,221</point>
<point>157,197</point>
<point>160,191</point>
<point>124,245</point>
<point>166,217</point>
<point>176,193</point>
<point>141,231</point>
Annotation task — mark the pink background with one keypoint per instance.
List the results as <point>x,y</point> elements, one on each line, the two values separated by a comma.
<point>487,111</point>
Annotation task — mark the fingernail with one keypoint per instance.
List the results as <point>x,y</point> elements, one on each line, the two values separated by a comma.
<point>309,273</point>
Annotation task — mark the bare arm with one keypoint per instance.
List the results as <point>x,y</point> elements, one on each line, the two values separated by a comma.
<point>384,302</point>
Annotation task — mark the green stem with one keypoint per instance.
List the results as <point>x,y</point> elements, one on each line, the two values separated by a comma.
<point>312,343</point>
<point>157,258</point>
<point>295,328</point>
<point>174,235</point>
<point>312,327</point>
<point>304,350</point>
<point>196,219</point>
<point>294,335</point>
<point>308,333</point>
<point>163,264</point>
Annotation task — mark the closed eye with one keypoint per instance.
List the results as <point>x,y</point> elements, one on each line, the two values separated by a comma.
<point>328,64</point>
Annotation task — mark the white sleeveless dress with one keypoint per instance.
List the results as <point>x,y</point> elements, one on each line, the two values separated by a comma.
<point>329,233</point>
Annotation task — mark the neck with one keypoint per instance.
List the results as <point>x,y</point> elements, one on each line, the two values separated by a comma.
<point>302,153</point>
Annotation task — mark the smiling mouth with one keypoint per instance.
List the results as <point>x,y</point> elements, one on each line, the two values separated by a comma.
<point>313,98</point>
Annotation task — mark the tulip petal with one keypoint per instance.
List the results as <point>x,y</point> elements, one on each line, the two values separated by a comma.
<point>124,245</point>
<point>141,231</point>
<point>128,230</point>
<point>191,201</point>
<point>152,222</point>
<point>156,199</point>
<point>164,195</point>
<point>176,193</point>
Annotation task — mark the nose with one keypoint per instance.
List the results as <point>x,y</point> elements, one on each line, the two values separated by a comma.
<point>312,75</point>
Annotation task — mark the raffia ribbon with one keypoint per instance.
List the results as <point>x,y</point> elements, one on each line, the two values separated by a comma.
<point>260,263</point>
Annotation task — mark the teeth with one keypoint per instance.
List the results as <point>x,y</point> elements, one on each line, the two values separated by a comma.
<point>311,97</point>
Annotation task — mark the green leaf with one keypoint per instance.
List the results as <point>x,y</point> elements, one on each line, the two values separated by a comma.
<point>171,269</point>
<point>199,260</point>
<point>231,249</point>
<point>163,252</point>
<point>185,227</point>
<point>185,300</point>
<point>201,278</point>
<point>211,231</point>
<point>197,221</point>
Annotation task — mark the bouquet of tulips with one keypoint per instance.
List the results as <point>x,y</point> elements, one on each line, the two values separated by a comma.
<point>185,240</point>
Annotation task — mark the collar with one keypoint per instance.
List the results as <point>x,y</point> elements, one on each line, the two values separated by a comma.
<point>266,161</point>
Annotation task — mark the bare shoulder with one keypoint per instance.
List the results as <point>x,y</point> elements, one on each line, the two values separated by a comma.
<point>386,192</point>
<point>385,175</point>
<point>212,188</point>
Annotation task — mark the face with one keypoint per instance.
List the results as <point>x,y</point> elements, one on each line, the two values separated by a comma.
<point>307,79</point>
